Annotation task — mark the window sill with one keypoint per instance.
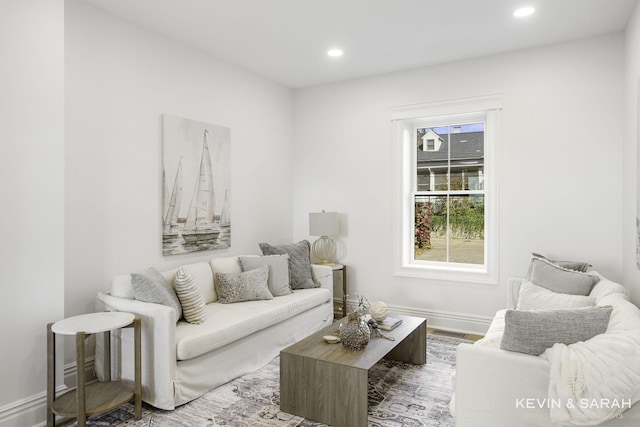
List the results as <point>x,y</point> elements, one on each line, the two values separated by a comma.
<point>450,274</point>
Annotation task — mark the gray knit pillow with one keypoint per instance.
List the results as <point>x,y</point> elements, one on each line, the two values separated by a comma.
<point>190,297</point>
<point>246,286</point>
<point>299,262</point>
<point>153,287</point>
<point>559,279</point>
<point>278,271</point>
<point>532,332</point>
<point>571,265</point>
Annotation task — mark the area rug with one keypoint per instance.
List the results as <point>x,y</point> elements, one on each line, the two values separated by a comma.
<point>400,395</point>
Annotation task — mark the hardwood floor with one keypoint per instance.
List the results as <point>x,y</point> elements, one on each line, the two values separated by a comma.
<point>472,337</point>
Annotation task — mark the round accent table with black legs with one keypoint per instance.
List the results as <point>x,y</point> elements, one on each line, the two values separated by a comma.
<point>100,396</point>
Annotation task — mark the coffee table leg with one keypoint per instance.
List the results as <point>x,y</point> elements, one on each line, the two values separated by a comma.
<point>321,391</point>
<point>413,349</point>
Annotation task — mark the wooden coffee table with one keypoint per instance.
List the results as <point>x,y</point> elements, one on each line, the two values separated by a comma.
<point>328,383</point>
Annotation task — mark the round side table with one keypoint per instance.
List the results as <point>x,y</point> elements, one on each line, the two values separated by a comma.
<point>98,397</point>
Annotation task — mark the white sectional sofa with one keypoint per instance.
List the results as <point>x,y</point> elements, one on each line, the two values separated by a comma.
<point>181,361</point>
<point>499,388</point>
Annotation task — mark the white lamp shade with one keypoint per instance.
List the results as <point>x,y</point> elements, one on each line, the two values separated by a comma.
<point>323,223</point>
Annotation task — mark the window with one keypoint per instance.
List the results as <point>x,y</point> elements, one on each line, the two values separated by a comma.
<point>431,144</point>
<point>445,192</point>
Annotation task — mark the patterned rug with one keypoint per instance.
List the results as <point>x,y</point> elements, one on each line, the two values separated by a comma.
<point>400,395</point>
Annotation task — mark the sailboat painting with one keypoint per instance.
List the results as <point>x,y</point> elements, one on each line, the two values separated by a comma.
<point>196,186</point>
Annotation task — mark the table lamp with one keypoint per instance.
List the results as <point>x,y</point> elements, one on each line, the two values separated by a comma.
<point>323,224</point>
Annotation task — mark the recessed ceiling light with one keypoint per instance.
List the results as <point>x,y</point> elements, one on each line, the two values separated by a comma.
<point>524,11</point>
<point>335,53</point>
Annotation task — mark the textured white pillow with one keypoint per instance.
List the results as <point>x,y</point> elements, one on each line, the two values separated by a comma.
<point>534,297</point>
<point>190,297</point>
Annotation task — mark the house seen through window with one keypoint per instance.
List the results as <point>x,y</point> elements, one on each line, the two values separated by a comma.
<point>448,193</point>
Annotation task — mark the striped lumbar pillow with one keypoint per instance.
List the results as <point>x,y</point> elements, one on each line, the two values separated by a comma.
<point>190,297</point>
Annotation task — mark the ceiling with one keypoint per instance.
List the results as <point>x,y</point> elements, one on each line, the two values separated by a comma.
<point>287,40</point>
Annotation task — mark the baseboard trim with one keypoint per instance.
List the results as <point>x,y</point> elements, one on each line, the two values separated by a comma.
<point>447,320</point>
<point>32,410</point>
<point>439,319</point>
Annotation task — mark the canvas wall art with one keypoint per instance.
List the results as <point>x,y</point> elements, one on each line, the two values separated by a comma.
<point>195,186</point>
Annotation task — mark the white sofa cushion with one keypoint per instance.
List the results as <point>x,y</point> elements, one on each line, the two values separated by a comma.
<point>226,323</point>
<point>202,275</point>
<point>605,287</point>
<point>493,337</point>
<point>121,286</point>
<point>625,316</point>
<point>534,297</point>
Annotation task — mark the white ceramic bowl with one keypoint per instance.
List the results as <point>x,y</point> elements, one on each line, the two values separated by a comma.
<point>331,339</point>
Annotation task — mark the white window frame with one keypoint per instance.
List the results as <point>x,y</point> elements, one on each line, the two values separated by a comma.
<point>405,120</point>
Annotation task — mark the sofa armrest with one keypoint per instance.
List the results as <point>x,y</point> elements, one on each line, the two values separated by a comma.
<point>513,291</point>
<point>323,274</point>
<point>158,348</point>
<point>498,388</point>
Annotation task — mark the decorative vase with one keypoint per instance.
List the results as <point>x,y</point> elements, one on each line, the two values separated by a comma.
<point>355,333</point>
<point>378,311</point>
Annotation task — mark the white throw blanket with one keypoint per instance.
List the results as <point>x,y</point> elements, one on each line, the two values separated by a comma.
<point>594,381</point>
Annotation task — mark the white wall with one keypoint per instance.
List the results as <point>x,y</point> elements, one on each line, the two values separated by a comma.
<point>559,175</point>
<point>631,180</point>
<point>120,78</point>
<point>32,189</point>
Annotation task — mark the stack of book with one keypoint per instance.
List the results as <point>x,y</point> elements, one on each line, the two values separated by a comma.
<point>389,323</point>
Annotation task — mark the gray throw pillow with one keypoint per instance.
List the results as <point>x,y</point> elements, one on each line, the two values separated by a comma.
<point>559,279</point>
<point>278,271</point>
<point>532,332</point>
<point>246,286</point>
<point>153,287</point>
<point>570,265</point>
<point>299,262</point>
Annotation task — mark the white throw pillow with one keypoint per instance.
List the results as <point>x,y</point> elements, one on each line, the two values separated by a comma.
<point>121,286</point>
<point>534,297</point>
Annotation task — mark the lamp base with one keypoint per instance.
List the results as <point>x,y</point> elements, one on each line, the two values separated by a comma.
<point>325,250</point>
<point>325,262</point>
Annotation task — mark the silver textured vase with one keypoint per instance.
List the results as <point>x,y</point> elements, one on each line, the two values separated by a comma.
<point>355,333</point>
